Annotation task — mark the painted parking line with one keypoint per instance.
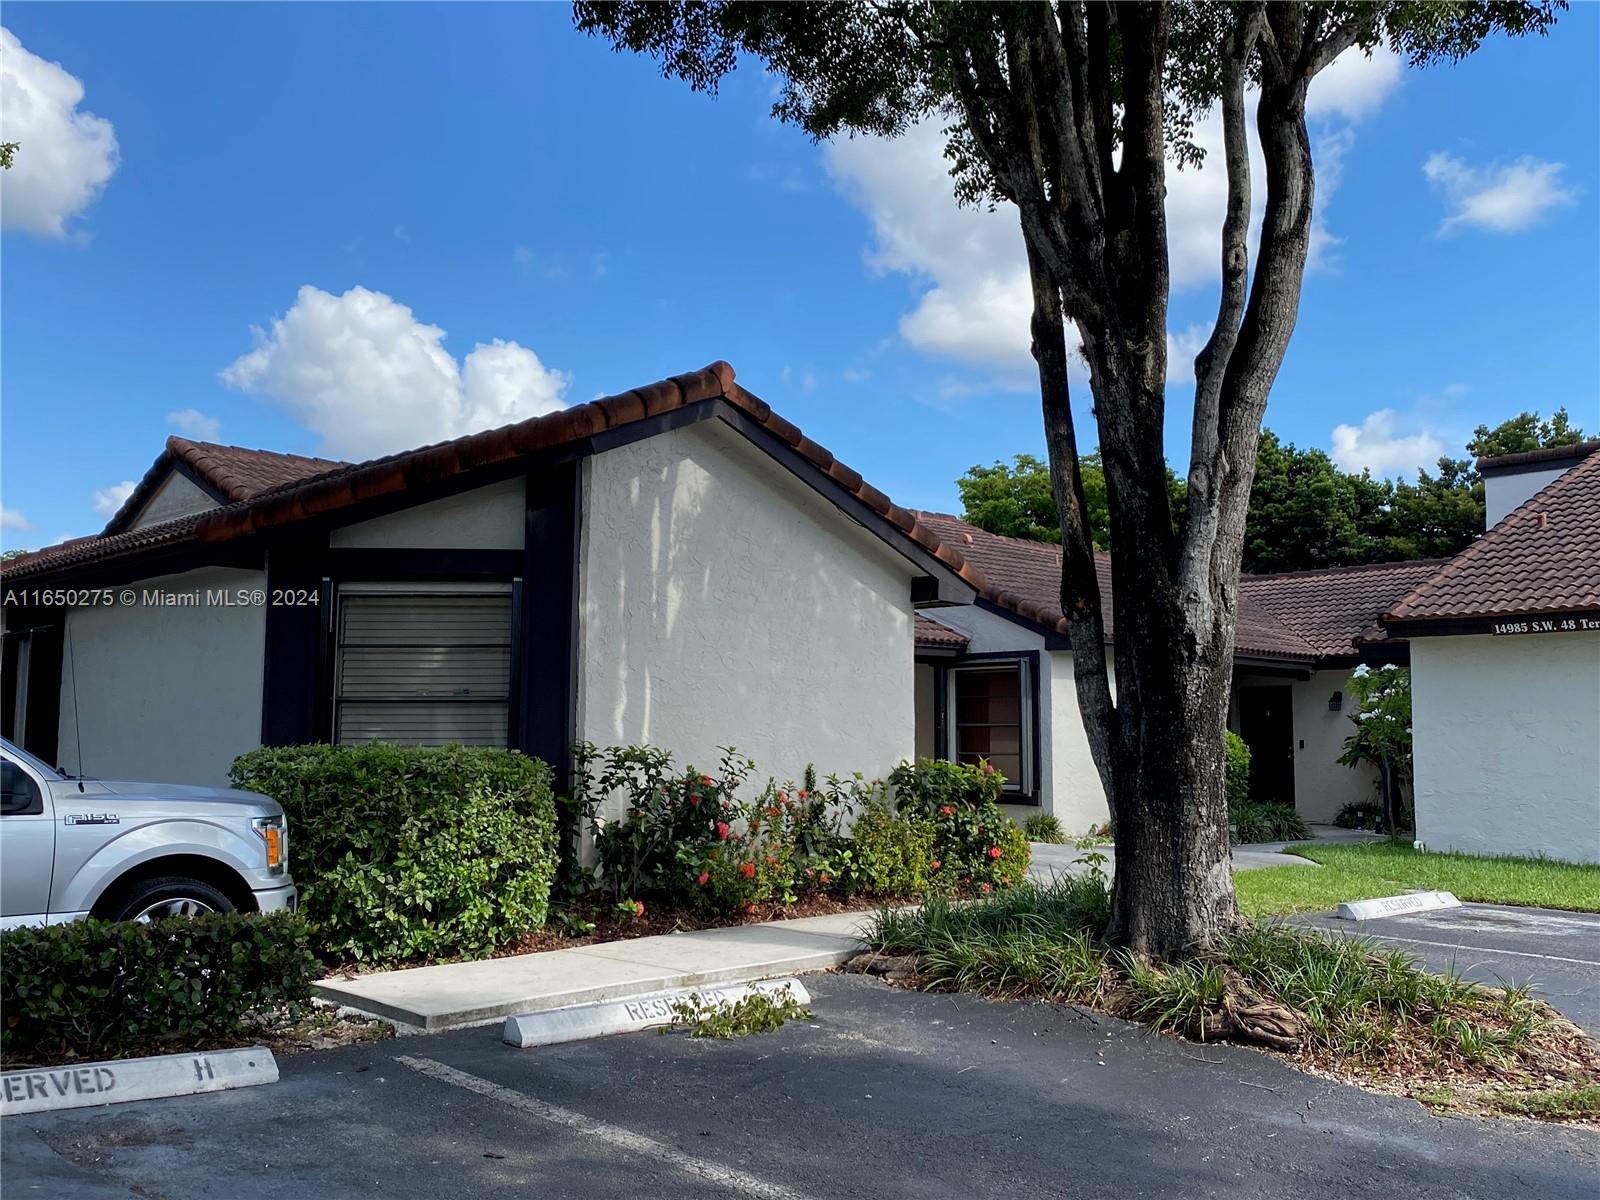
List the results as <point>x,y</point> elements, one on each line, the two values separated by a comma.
<point>730,1178</point>
<point>1488,950</point>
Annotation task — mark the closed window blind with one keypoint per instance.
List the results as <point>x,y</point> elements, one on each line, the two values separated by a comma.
<point>423,668</point>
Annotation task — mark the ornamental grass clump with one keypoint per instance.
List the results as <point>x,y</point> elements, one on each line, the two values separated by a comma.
<point>1334,1004</point>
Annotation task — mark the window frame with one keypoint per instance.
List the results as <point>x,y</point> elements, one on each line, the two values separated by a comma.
<point>511,589</point>
<point>1027,791</point>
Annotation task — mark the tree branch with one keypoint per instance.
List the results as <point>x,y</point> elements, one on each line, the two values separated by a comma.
<point>1080,577</point>
<point>1207,464</point>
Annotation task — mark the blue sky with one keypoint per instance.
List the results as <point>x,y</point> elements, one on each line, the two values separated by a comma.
<point>244,202</point>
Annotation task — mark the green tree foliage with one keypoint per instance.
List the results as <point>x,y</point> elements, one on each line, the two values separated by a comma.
<point>1016,501</point>
<point>8,154</point>
<point>1305,513</point>
<point>1524,432</point>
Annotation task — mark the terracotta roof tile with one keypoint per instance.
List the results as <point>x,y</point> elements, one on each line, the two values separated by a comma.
<point>1301,615</point>
<point>1542,557</point>
<point>338,485</point>
<point>1333,608</point>
<point>936,635</point>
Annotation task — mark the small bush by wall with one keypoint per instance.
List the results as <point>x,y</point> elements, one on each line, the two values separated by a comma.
<point>104,989</point>
<point>1236,770</point>
<point>1044,827</point>
<point>1267,823</point>
<point>976,846</point>
<point>406,852</point>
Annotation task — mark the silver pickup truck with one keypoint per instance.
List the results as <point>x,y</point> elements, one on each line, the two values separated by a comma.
<point>72,848</point>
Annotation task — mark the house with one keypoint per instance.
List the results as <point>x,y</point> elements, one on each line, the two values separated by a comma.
<point>1505,667</point>
<point>676,565</point>
<point>995,678</point>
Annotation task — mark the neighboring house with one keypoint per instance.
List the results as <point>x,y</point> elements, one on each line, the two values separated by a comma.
<point>675,565</point>
<point>1505,668</point>
<point>995,679</point>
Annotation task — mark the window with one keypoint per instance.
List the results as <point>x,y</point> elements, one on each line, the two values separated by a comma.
<point>19,794</point>
<point>423,667</point>
<point>993,720</point>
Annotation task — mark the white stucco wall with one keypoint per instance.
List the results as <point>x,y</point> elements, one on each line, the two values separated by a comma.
<point>167,694</point>
<point>723,602</point>
<point>486,518</point>
<point>176,497</point>
<point>1507,744</point>
<point>1322,786</point>
<point>1503,492</point>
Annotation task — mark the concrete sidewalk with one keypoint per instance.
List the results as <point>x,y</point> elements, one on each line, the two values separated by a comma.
<point>453,995</point>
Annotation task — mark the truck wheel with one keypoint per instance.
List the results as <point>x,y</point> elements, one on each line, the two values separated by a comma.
<point>169,896</point>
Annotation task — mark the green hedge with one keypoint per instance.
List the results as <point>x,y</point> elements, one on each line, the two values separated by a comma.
<point>1236,770</point>
<point>104,989</point>
<point>406,852</point>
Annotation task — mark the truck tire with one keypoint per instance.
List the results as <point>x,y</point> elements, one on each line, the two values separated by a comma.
<point>168,896</point>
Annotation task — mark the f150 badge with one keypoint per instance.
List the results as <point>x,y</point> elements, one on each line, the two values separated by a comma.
<point>91,819</point>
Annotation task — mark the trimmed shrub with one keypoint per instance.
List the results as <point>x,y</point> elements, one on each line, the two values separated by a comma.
<point>406,852</point>
<point>1043,827</point>
<point>1267,823</point>
<point>1361,814</point>
<point>104,989</point>
<point>922,789</point>
<point>1236,768</point>
<point>889,855</point>
<point>976,847</point>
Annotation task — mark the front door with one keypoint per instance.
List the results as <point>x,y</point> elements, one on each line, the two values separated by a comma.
<point>1266,723</point>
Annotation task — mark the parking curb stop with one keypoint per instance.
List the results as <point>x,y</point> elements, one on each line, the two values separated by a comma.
<point>85,1085</point>
<point>648,1011</point>
<point>1396,906</point>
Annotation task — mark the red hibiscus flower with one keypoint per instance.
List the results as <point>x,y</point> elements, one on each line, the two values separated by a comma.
<point>723,830</point>
<point>748,870</point>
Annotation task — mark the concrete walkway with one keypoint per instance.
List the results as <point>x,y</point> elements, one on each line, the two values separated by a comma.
<point>1050,861</point>
<point>452,995</point>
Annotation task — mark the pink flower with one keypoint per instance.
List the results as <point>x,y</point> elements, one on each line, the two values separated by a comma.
<point>705,878</point>
<point>984,888</point>
<point>694,798</point>
<point>995,852</point>
<point>723,830</point>
<point>935,865</point>
<point>947,810</point>
<point>705,781</point>
<point>638,908</point>
<point>748,870</point>
<point>802,793</point>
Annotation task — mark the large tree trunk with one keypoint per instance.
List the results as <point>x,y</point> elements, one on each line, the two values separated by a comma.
<point>1066,90</point>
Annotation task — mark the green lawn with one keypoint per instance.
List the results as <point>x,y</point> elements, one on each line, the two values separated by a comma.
<point>1362,871</point>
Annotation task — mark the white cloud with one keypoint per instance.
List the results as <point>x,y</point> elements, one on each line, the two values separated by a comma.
<point>64,156</point>
<point>13,519</point>
<point>1378,445</point>
<point>195,423</point>
<point>975,302</point>
<point>1501,198</point>
<point>361,372</point>
<point>108,499</point>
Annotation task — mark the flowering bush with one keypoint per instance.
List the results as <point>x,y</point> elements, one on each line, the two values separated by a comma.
<point>976,847</point>
<point>673,819</point>
<point>889,855</point>
<point>923,788</point>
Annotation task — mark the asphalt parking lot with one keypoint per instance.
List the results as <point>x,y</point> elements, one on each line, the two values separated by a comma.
<point>886,1093</point>
<point>1557,952</point>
